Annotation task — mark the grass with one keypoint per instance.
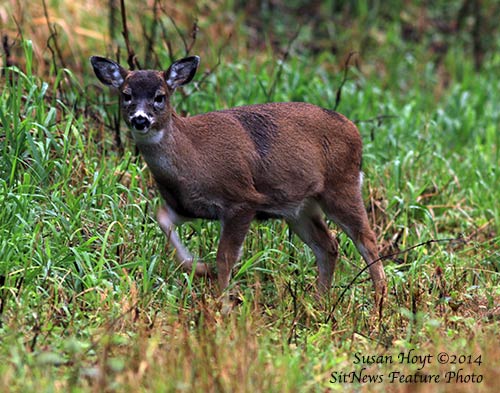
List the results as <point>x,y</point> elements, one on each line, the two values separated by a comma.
<point>91,301</point>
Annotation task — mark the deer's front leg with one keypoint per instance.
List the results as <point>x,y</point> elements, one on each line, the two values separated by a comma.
<point>233,231</point>
<point>166,221</point>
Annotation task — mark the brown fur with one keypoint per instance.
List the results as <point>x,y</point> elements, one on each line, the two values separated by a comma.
<point>290,160</point>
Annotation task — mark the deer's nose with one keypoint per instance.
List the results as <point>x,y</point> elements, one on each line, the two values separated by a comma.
<point>140,122</point>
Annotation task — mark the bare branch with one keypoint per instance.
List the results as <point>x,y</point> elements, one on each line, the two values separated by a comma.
<point>193,35</point>
<point>344,80</point>
<point>214,68</point>
<point>151,37</point>
<point>286,54</point>
<point>179,33</point>
<point>53,35</point>
<point>131,59</point>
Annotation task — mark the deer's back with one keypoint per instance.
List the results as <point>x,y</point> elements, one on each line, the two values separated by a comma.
<point>271,156</point>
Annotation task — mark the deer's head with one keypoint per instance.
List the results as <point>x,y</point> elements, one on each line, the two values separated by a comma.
<point>145,94</point>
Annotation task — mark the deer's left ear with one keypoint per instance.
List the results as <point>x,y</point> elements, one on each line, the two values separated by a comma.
<point>181,72</point>
<point>108,72</point>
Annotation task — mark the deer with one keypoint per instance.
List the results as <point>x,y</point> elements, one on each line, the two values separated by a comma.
<point>291,160</point>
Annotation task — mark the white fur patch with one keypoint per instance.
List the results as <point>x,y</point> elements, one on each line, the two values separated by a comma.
<point>116,76</point>
<point>140,112</point>
<point>148,136</point>
<point>171,78</point>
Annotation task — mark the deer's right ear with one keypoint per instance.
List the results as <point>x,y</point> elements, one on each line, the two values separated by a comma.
<point>108,72</point>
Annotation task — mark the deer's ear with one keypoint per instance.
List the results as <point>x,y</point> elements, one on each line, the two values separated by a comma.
<point>108,72</point>
<point>181,72</point>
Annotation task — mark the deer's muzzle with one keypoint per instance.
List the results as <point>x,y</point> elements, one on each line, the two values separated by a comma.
<point>140,123</point>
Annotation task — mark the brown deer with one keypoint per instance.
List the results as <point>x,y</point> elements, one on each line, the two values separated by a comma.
<point>279,160</point>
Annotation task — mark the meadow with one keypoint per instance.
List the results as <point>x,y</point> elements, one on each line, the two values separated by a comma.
<point>90,298</point>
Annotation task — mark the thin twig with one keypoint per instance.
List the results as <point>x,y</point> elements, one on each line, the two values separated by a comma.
<point>6,50</point>
<point>214,68</point>
<point>152,36</point>
<point>377,119</point>
<point>131,60</point>
<point>187,46</point>
<point>193,35</point>
<point>270,92</point>
<point>344,80</point>
<point>53,35</point>
<point>426,243</point>
<point>168,43</point>
<point>179,32</point>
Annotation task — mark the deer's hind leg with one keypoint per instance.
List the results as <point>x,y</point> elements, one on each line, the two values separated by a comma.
<point>311,227</point>
<point>348,211</point>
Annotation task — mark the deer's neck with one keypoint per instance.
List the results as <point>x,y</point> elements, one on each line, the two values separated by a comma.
<point>164,155</point>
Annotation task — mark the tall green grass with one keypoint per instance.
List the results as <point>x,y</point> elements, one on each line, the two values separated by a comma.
<point>91,301</point>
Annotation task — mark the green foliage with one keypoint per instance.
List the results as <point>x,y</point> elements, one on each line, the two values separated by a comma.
<point>90,300</point>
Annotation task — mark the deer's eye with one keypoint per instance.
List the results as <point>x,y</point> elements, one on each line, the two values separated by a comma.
<point>126,97</point>
<point>160,99</point>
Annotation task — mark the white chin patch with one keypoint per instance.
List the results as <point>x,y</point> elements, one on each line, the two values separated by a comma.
<point>147,135</point>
